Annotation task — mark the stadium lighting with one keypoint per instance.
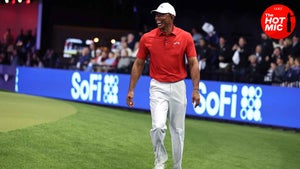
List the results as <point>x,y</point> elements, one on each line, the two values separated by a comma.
<point>96,39</point>
<point>27,2</point>
<point>13,2</point>
<point>112,41</point>
<point>7,1</point>
<point>19,1</point>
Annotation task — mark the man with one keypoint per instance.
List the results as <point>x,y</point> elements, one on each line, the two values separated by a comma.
<point>167,46</point>
<point>84,59</point>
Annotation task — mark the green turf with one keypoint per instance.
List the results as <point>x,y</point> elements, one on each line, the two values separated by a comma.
<point>19,111</point>
<point>104,138</point>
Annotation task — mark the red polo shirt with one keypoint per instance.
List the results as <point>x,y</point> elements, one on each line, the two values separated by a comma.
<point>167,53</point>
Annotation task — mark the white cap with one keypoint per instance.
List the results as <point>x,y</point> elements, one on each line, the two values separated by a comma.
<point>165,8</point>
<point>208,28</point>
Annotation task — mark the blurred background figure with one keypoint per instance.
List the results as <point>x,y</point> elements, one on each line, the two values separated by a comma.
<point>224,69</point>
<point>253,71</point>
<point>196,35</point>
<point>84,59</point>
<point>8,38</point>
<point>131,40</point>
<point>240,60</point>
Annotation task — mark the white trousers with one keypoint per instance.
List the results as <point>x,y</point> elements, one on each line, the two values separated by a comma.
<point>168,102</point>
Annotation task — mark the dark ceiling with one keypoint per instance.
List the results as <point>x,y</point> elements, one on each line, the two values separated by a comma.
<point>232,18</point>
<point>134,14</point>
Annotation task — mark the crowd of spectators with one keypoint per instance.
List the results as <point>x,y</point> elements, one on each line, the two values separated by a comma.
<point>268,61</point>
<point>117,58</point>
<point>19,50</point>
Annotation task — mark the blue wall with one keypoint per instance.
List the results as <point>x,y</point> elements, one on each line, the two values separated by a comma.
<point>246,103</point>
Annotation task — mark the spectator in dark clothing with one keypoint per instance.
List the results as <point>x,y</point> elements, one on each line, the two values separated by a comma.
<point>224,69</point>
<point>48,58</point>
<point>266,44</point>
<point>204,55</point>
<point>212,40</point>
<point>240,59</point>
<point>29,40</point>
<point>286,48</point>
<point>277,53</point>
<point>20,39</point>
<point>295,51</point>
<point>253,71</point>
<point>279,72</point>
<point>211,37</point>
<point>84,59</point>
<point>4,60</point>
<point>14,58</point>
<point>131,40</point>
<point>292,74</point>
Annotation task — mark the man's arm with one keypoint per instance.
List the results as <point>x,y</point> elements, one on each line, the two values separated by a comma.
<point>195,76</point>
<point>136,72</point>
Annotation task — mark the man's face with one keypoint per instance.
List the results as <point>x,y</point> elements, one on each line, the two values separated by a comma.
<point>163,20</point>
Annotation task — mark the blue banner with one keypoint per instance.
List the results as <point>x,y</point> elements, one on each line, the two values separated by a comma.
<point>246,103</point>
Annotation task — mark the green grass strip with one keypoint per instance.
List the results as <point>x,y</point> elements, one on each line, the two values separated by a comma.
<point>98,137</point>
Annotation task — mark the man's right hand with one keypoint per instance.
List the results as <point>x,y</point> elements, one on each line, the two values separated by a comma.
<point>129,98</point>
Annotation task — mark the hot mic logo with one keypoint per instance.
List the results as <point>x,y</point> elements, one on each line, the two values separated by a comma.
<point>278,21</point>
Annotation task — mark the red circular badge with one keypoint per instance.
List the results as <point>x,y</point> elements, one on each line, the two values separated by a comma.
<point>278,21</point>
